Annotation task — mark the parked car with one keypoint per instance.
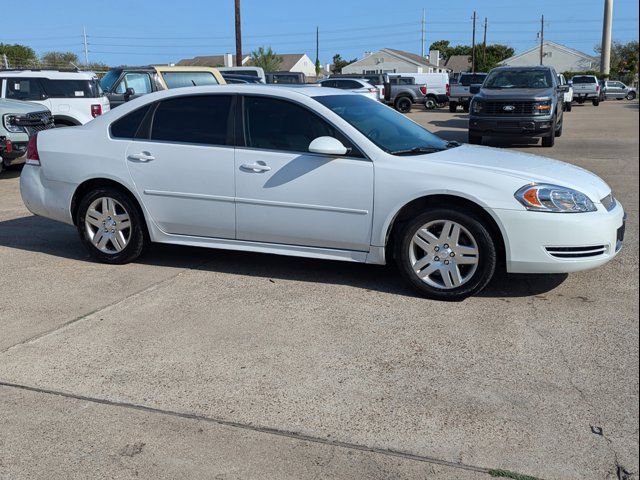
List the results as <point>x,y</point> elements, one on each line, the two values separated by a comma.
<point>316,172</point>
<point>405,93</point>
<point>18,121</point>
<point>257,72</point>
<point>614,89</point>
<point>73,97</point>
<point>353,85</point>
<point>438,87</point>
<point>586,87</point>
<point>568,95</point>
<point>122,84</point>
<point>379,80</point>
<point>231,78</point>
<point>460,93</point>
<point>521,101</point>
<point>286,78</point>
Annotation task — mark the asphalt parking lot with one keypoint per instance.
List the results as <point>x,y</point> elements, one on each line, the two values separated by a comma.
<point>197,363</point>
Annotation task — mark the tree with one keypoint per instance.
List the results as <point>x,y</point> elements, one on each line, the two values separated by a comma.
<point>624,59</point>
<point>266,59</point>
<point>18,55</point>
<point>59,60</point>
<point>339,63</point>
<point>495,54</point>
<point>442,46</point>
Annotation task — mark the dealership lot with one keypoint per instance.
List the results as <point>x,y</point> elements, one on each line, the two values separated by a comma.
<point>194,363</point>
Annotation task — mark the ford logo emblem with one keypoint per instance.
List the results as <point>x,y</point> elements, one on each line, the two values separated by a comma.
<point>508,108</point>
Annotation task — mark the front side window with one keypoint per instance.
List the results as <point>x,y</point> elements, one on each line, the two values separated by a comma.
<point>389,130</point>
<point>140,82</point>
<point>202,119</point>
<point>24,89</point>
<point>537,78</point>
<point>276,124</point>
<point>188,79</point>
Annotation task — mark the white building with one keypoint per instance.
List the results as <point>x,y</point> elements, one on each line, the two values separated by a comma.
<point>563,59</point>
<point>389,60</point>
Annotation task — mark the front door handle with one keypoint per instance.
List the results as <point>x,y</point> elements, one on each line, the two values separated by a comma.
<point>141,157</point>
<point>255,167</point>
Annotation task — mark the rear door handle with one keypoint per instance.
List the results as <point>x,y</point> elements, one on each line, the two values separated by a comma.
<point>141,157</point>
<point>255,167</point>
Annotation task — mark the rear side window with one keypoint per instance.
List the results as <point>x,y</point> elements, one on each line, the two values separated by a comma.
<point>348,84</point>
<point>71,88</point>
<point>584,80</point>
<point>127,126</point>
<point>24,89</point>
<point>188,79</point>
<point>467,80</point>
<point>203,119</point>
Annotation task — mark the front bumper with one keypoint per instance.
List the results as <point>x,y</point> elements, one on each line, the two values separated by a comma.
<point>540,242</point>
<point>17,155</point>
<point>46,198</point>
<point>527,126</point>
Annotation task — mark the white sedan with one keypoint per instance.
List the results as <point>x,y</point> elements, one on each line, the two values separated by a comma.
<point>353,85</point>
<point>314,172</point>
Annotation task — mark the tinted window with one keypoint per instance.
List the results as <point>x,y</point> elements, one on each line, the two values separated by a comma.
<point>127,126</point>
<point>402,81</point>
<point>188,79</point>
<point>140,82</point>
<point>24,89</point>
<point>275,124</point>
<point>519,79</point>
<point>348,84</point>
<point>388,129</point>
<point>196,119</point>
<point>109,79</point>
<point>584,80</point>
<point>467,80</point>
<point>71,88</point>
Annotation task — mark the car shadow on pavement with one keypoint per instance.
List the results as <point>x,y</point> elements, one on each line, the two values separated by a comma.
<point>10,173</point>
<point>37,234</point>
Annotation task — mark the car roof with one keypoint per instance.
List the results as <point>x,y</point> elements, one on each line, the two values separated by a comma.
<point>50,74</point>
<point>531,67</point>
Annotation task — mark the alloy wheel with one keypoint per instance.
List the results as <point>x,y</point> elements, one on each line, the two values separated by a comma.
<point>444,254</point>
<point>108,225</point>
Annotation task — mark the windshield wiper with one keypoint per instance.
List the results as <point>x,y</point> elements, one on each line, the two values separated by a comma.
<point>453,144</point>
<point>416,150</point>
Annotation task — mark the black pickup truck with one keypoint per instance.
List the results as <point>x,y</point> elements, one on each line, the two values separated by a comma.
<point>518,101</point>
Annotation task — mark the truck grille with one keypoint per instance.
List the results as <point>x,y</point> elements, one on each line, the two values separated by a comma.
<point>577,252</point>
<point>34,122</point>
<point>497,108</point>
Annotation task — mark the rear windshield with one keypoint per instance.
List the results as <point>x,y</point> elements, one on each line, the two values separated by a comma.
<point>72,88</point>
<point>519,79</point>
<point>584,80</point>
<point>467,80</point>
<point>188,79</point>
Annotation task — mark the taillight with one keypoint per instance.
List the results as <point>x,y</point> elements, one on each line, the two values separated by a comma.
<point>382,92</point>
<point>33,157</point>
<point>448,87</point>
<point>373,90</point>
<point>597,88</point>
<point>96,110</point>
<point>423,89</point>
<point>8,146</point>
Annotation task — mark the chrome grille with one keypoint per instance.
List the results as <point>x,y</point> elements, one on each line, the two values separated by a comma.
<point>608,202</point>
<point>34,122</point>
<point>577,252</point>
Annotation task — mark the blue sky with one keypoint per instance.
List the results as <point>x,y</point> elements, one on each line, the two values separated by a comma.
<point>142,32</point>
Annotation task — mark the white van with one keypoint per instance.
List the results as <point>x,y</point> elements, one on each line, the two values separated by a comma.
<point>437,86</point>
<point>249,71</point>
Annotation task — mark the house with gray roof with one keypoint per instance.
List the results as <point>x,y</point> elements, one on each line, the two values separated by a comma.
<point>390,60</point>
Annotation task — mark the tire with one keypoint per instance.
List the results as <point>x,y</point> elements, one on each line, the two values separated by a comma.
<point>474,242</point>
<point>596,102</point>
<point>453,106</point>
<point>104,202</point>
<point>465,107</point>
<point>559,130</point>
<point>475,139</point>
<point>580,101</point>
<point>430,103</point>
<point>631,96</point>
<point>568,106</point>
<point>403,104</point>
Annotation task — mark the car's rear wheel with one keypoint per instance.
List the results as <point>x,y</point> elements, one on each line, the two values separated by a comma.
<point>446,254</point>
<point>403,104</point>
<point>430,103</point>
<point>631,96</point>
<point>453,106</point>
<point>596,102</point>
<point>568,106</point>
<point>110,225</point>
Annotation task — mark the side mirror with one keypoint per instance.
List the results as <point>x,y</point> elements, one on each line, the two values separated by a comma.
<point>327,146</point>
<point>128,93</point>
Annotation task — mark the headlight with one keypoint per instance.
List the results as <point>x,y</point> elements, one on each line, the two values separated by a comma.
<point>476,106</point>
<point>8,124</point>
<point>542,108</point>
<point>552,198</point>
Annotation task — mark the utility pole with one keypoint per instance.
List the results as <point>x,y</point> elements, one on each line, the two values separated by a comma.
<point>484,43</point>
<point>86,47</point>
<point>422,30</point>
<point>542,40</point>
<point>473,45</point>
<point>238,36</point>
<point>317,64</point>
<point>605,49</point>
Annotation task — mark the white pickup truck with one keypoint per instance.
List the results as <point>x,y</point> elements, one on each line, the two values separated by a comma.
<point>586,87</point>
<point>460,94</point>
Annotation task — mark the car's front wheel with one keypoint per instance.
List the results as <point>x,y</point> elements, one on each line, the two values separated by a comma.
<point>110,225</point>
<point>631,96</point>
<point>446,254</point>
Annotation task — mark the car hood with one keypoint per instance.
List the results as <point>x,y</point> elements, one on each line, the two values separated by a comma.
<point>16,106</point>
<point>529,168</point>
<point>515,93</point>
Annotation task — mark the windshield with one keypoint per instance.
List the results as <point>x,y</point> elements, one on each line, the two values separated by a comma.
<point>109,79</point>
<point>519,79</point>
<point>391,131</point>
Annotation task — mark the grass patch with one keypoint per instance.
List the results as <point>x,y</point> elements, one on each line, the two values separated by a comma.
<point>511,475</point>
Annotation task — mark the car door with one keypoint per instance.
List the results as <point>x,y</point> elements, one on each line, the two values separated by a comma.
<point>140,82</point>
<point>182,165</point>
<point>290,196</point>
